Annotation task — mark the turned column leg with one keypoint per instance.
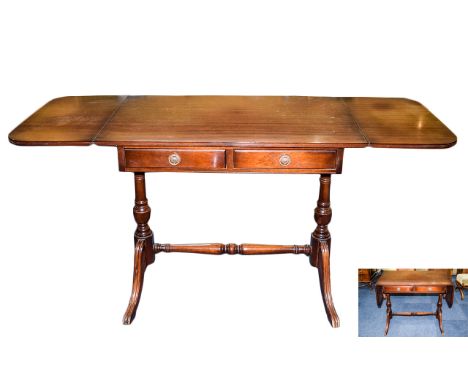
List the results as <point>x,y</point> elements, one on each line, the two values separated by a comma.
<point>144,254</point>
<point>320,242</point>
<point>389,312</point>
<point>439,313</point>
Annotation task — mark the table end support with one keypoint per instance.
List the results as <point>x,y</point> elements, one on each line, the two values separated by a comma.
<point>144,241</point>
<point>439,313</point>
<point>389,312</point>
<point>320,253</point>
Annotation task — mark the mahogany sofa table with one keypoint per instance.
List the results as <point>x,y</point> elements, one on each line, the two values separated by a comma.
<point>233,134</point>
<point>438,282</point>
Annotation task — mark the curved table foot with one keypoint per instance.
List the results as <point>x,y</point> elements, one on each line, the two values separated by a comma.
<point>389,312</point>
<point>137,286</point>
<point>460,289</point>
<point>439,314</point>
<point>323,266</point>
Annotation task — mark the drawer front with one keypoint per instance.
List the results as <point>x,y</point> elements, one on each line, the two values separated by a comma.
<point>172,160</point>
<point>430,289</point>
<point>398,289</point>
<point>319,160</point>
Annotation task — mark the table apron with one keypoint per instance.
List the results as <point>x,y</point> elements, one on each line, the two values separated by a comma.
<point>415,289</point>
<point>230,159</point>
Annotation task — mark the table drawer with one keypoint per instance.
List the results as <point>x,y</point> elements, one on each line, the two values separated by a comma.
<point>320,160</point>
<point>170,160</point>
<point>429,289</point>
<point>398,289</point>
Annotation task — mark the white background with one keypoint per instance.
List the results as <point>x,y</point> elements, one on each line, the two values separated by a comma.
<point>66,213</point>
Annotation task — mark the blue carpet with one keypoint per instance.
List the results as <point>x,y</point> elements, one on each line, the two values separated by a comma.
<point>372,319</point>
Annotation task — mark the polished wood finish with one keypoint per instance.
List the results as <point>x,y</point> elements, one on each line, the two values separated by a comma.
<point>139,268</point>
<point>226,159</point>
<point>144,253</point>
<point>430,289</point>
<point>234,121</point>
<point>433,277</point>
<point>436,282</point>
<point>399,123</point>
<point>67,121</point>
<point>399,289</point>
<point>438,313</point>
<point>321,243</point>
<point>389,312</point>
<point>322,161</point>
<point>168,159</point>
<point>318,251</point>
<point>233,249</point>
<point>258,134</point>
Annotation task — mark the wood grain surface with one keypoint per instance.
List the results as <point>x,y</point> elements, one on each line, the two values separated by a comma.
<point>66,121</point>
<point>240,121</point>
<point>413,278</point>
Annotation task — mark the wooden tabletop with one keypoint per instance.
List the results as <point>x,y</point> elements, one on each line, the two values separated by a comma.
<point>267,121</point>
<point>399,278</point>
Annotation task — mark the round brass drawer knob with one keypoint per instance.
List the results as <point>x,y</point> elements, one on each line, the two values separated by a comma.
<point>285,160</point>
<point>174,159</point>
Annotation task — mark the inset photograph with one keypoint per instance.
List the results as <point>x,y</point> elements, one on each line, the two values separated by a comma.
<point>413,302</point>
